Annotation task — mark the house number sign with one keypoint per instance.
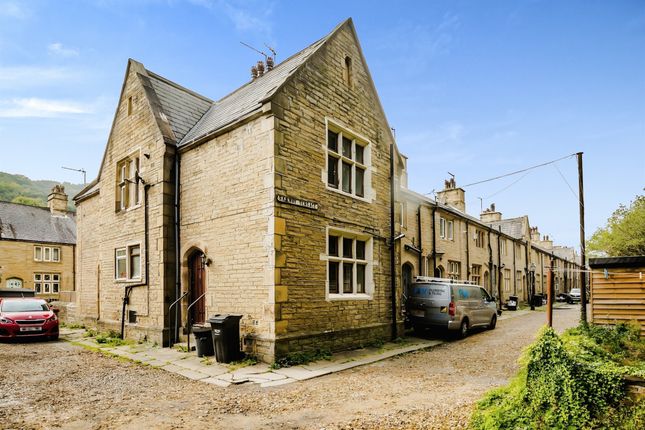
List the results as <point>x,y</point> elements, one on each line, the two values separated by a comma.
<point>297,202</point>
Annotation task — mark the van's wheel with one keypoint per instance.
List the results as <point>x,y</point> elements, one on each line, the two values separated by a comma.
<point>463,329</point>
<point>493,322</point>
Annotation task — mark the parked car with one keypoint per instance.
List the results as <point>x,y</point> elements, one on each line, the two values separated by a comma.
<point>573,296</point>
<point>562,297</point>
<point>457,307</point>
<point>27,317</point>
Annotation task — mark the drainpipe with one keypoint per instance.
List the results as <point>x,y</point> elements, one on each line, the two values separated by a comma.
<point>499,267</point>
<point>467,252</point>
<point>420,240</point>
<point>514,271</point>
<point>392,250</point>
<point>526,270</point>
<point>128,288</point>
<point>490,265</point>
<point>434,240</point>
<point>177,248</point>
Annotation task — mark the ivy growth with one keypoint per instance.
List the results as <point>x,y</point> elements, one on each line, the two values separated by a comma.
<point>573,381</point>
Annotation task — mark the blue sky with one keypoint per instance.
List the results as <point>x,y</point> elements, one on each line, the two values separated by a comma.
<point>473,88</point>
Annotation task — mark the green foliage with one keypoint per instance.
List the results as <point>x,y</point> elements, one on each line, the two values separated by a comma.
<point>573,381</point>
<point>304,357</point>
<point>249,360</point>
<point>624,233</point>
<point>72,325</point>
<point>21,189</point>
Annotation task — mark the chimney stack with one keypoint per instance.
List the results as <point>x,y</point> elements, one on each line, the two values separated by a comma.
<point>490,214</point>
<point>260,67</point>
<point>57,201</point>
<point>270,63</point>
<point>452,196</point>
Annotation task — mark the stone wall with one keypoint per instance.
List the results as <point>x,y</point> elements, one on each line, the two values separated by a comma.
<point>319,93</point>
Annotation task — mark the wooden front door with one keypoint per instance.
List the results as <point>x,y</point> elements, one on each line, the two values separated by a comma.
<point>197,313</point>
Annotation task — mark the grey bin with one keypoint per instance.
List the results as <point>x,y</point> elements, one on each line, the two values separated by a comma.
<point>204,341</point>
<point>226,337</point>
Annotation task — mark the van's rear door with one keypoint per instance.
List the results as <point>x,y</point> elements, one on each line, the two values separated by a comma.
<point>428,303</point>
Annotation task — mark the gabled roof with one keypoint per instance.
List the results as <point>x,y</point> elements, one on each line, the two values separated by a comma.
<point>513,227</point>
<point>35,224</point>
<point>249,98</point>
<point>182,107</point>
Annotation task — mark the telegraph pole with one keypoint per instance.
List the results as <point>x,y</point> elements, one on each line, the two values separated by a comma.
<point>549,296</point>
<point>583,260</point>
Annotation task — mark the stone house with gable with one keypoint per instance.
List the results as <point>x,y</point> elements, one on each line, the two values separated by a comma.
<point>37,247</point>
<point>272,203</point>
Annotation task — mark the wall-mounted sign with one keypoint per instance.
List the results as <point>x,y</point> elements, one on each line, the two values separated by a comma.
<point>297,202</point>
<point>14,283</point>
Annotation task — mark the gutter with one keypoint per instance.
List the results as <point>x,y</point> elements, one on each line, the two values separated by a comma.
<point>392,242</point>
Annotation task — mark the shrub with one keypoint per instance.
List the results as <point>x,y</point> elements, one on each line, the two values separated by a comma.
<point>569,382</point>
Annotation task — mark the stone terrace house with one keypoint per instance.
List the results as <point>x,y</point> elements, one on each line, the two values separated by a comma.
<point>37,247</point>
<point>502,255</point>
<point>273,203</point>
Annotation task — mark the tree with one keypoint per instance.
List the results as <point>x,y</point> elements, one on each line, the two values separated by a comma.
<point>624,233</point>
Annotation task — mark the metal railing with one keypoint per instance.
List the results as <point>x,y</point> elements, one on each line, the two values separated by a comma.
<point>174,332</point>
<point>189,320</point>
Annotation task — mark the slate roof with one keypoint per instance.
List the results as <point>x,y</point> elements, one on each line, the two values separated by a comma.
<point>29,223</point>
<point>512,227</point>
<point>249,97</point>
<point>182,106</point>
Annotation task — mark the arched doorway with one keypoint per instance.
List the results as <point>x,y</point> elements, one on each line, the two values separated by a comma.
<point>438,272</point>
<point>197,313</point>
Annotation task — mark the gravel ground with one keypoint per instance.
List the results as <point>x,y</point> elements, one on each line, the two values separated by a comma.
<point>59,385</point>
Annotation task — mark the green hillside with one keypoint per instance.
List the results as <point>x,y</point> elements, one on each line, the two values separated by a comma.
<point>21,189</point>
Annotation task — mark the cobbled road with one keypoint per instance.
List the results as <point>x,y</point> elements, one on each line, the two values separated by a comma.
<point>52,385</point>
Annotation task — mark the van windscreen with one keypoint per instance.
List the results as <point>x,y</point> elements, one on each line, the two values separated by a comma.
<point>430,290</point>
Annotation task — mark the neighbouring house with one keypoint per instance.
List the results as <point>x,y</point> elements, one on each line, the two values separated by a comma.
<point>506,256</point>
<point>618,290</point>
<point>37,247</point>
<point>272,203</point>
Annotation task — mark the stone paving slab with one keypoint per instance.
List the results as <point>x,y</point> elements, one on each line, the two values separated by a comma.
<point>215,381</point>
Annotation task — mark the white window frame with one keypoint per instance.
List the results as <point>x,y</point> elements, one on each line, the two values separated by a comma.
<point>503,246</point>
<point>476,274</point>
<point>442,227</point>
<point>479,238</point>
<point>366,165</point>
<point>127,256</point>
<point>47,254</point>
<point>446,228</point>
<point>451,230</point>
<point>368,262</point>
<point>507,280</point>
<point>454,269</point>
<point>128,188</point>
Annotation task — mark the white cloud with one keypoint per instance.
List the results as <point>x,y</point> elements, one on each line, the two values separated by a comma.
<point>250,17</point>
<point>13,10</point>
<point>40,108</point>
<point>13,77</point>
<point>57,49</point>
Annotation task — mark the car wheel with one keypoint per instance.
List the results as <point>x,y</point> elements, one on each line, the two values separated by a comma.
<point>53,337</point>
<point>463,329</point>
<point>493,323</point>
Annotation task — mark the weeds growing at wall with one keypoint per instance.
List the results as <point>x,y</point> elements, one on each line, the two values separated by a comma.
<point>572,381</point>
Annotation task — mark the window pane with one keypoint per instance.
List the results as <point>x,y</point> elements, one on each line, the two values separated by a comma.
<point>39,253</point>
<point>332,171</point>
<point>347,147</point>
<point>55,277</point>
<point>347,177</point>
<point>47,256</point>
<point>347,248</point>
<point>333,277</point>
<point>120,252</point>
<point>348,275</point>
<point>55,287</point>
<point>360,154</point>
<point>333,246</point>
<point>37,277</point>
<point>55,254</point>
<point>47,277</point>
<point>360,278</point>
<point>38,287</point>
<point>332,140</point>
<point>360,249</point>
<point>360,178</point>
<point>135,262</point>
<point>47,288</point>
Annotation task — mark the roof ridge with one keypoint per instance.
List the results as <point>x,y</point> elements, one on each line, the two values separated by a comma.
<point>25,204</point>
<point>179,87</point>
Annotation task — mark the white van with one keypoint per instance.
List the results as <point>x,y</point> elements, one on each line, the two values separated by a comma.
<point>454,305</point>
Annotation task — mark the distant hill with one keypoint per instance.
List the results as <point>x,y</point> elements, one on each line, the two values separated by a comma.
<point>21,189</point>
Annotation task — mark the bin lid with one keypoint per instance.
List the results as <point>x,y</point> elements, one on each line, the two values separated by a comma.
<point>200,330</point>
<point>220,318</point>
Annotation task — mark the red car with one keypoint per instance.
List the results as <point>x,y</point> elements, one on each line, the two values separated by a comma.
<point>27,317</point>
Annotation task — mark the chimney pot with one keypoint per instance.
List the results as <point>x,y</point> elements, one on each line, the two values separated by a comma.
<point>254,72</point>
<point>260,68</point>
<point>270,63</point>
